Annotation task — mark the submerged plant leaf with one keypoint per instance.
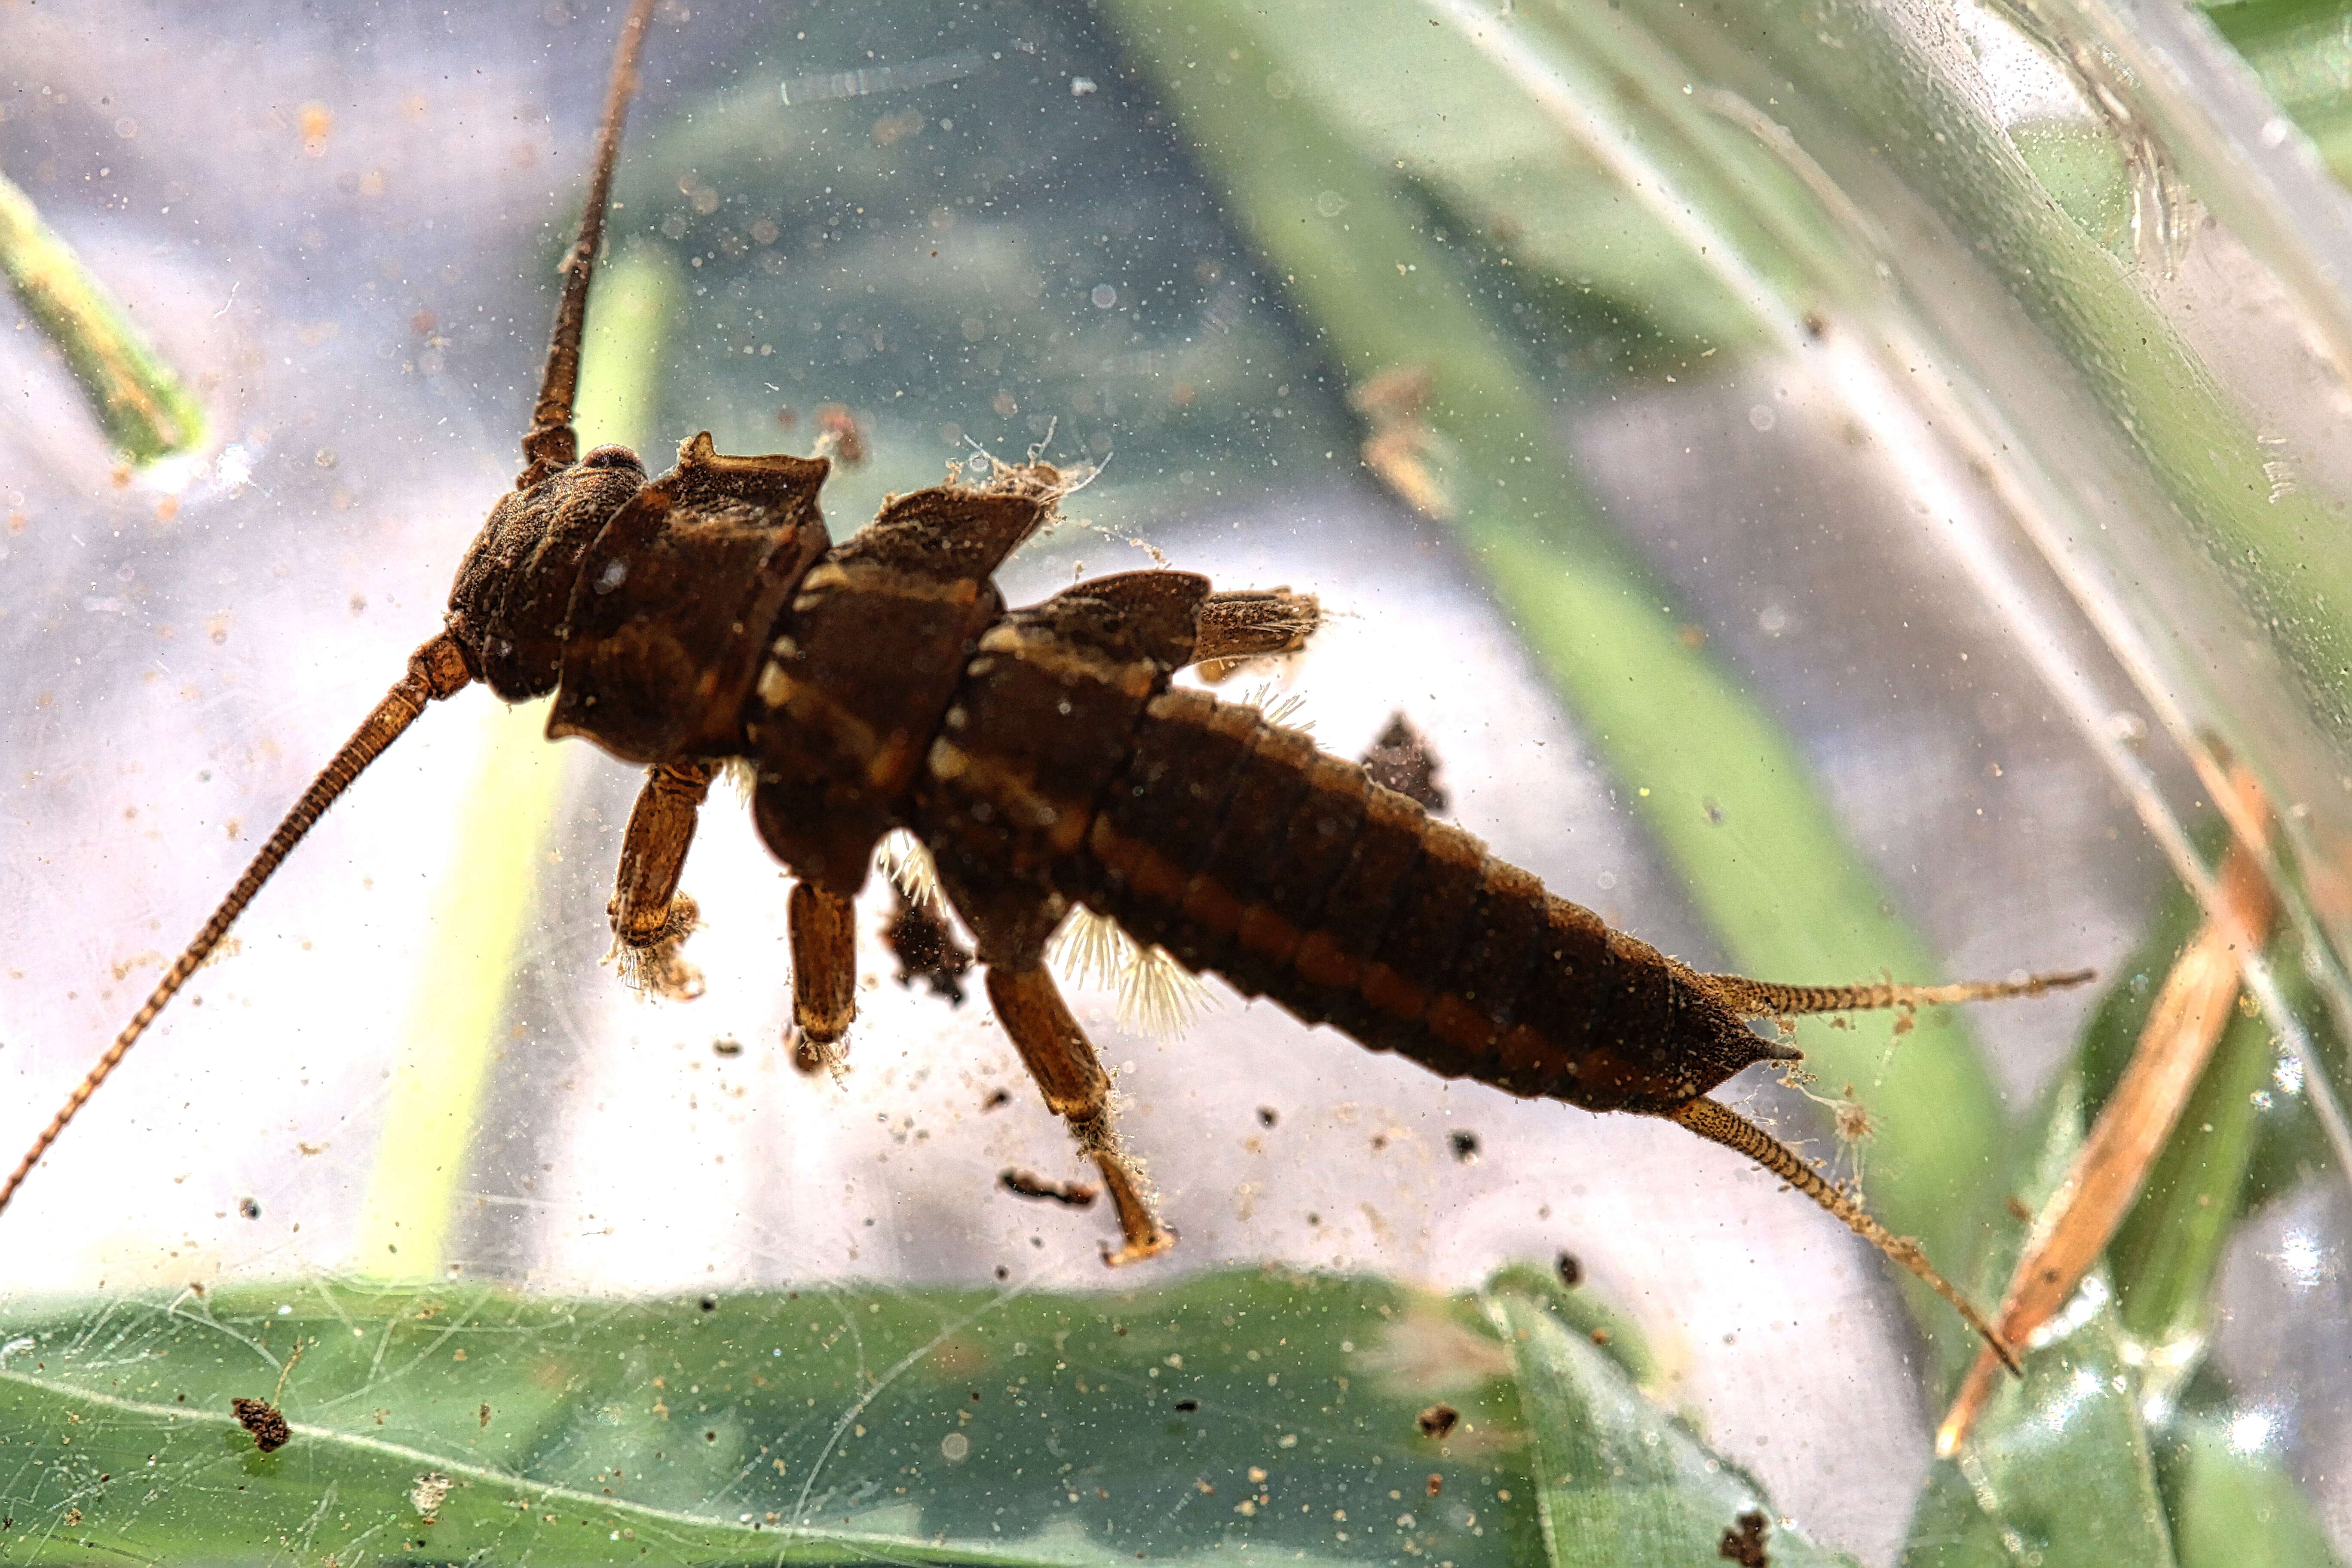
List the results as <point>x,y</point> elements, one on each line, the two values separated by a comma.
<point>1233,1417</point>
<point>2232,1507</point>
<point>138,398</point>
<point>2058,1470</point>
<point>2300,49</point>
<point>1617,1479</point>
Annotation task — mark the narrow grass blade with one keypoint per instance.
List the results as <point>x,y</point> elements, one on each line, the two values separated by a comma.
<point>146,412</point>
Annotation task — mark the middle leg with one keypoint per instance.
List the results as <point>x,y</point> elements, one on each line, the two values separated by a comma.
<point>824,974</point>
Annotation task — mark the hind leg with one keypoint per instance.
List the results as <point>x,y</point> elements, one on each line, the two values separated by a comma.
<point>1076,1088</point>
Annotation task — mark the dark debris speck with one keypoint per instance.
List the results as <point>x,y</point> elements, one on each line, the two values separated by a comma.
<point>1744,1543</point>
<point>265,1421</point>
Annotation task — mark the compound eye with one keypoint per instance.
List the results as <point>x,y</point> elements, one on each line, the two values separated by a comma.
<point>611,457</point>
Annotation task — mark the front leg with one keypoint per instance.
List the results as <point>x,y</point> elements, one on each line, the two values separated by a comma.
<point>651,919</point>
<point>1071,1077</point>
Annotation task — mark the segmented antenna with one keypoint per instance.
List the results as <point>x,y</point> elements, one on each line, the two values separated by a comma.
<point>1718,1123</point>
<point>1762,999</point>
<point>435,671</point>
<point>551,443</point>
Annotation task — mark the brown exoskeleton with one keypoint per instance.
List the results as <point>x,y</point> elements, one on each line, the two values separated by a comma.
<point>1045,760</point>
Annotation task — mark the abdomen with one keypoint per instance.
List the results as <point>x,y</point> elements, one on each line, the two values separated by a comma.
<point>1245,851</point>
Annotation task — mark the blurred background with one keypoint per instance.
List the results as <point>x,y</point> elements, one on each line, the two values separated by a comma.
<point>1832,512</point>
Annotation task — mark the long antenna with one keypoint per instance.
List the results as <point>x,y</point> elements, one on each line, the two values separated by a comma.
<point>551,443</point>
<point>436,669</point>
<point>1718,1123</point>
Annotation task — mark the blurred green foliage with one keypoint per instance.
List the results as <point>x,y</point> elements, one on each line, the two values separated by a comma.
<point>138,398</point>
<point>1237,1415</point>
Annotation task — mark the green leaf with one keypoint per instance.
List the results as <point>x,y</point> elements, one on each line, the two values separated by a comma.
<point>138,398</point>
<point>1495,164</point>
<point>1244,1414</point>
<point>2166,1252</point>
<point>2232,1507</point>
<point>2059,1471</point>
<point>2302,52</point>
<point>1618,1481</point>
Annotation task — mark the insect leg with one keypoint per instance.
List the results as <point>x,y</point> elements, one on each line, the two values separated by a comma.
<point>651,919</point>
<point>1070,1076</point>
<point>824,973</point>
<point>1251,623</point>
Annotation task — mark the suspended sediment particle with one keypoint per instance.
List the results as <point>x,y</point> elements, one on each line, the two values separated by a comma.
<point>1069,1194</point>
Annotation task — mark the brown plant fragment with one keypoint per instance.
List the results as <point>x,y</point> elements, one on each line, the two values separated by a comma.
<point>1744,1543</point>
<point>1400,442</point>
<point>927,948</point>
<point>840,436</point>
<point>1437,1421</point>
<point>1401,760</point>
<point>2191,1010</point>
<point>265,1421</point>
<point>1069,1194</point>
<point>427,1494</point>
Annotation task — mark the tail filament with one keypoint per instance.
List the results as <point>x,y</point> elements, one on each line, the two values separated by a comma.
<point>1717,1123</point>
<point>1763,999</point>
